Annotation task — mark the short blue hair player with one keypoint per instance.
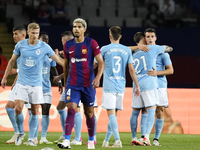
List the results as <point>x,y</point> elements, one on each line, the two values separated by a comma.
<point>80,79</point>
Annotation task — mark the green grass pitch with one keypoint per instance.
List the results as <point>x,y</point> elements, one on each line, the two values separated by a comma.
<point>168,141</point>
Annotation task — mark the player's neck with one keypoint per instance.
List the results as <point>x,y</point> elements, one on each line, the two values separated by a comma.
<point>32,42</point>
<point>115,42</point>
<point>79,39</point>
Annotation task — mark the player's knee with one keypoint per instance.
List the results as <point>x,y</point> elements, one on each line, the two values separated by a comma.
<point>89,114</point>
<point>18,110</point>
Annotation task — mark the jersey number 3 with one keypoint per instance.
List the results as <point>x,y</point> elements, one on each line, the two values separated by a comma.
<point>117,64</point>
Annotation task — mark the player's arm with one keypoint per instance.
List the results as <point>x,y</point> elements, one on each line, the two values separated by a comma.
<point>134,78</point>
<point>59,60</point>
<point>95,64</point>
<point>168,71</point>
<point>58,78</point>
<point>9,67</point>
<point>141,47</point>
<point>101,67</point>
<point>168,49</point>
<point>54,72</point>
<point>66,71</point>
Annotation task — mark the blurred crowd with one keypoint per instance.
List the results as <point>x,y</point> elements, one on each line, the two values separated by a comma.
<point>159,13</point>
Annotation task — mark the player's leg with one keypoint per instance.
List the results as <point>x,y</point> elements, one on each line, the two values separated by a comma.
<point>63,115</point>
<point>95,118</point>
<point>20,96</point>
<point>72,99</point>
<point>159,124</point>
<point>77,127</point>
<point>137,105</point>
<point>11,114</point>
<point>35,98</point>
<point>150,100</point>
<point>143,123</point>
<point>162,103</point>
<point>45,117</point>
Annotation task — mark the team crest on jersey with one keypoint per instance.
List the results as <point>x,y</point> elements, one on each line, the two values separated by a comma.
<point>38,52</point>
<point>68,98</point>
<point>84,51</point>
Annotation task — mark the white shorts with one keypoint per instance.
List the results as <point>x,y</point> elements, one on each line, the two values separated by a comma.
<point>146,99</point>
<point>62,98</point>
<point>11,95</point>
<point>27,93</point>
<point>112,100</point>
<point>47,97</point>
<point>162,97</point>
<point>28,105</point>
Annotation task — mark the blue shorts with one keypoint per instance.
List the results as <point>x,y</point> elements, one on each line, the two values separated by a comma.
<point>85,94</point>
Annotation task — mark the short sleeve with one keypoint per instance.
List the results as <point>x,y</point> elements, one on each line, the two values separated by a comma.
<point>95,47</point>
<point>130,57</point>
<point>16,51</point>
<point>50,50</point>
<point>53,63</point>
<point>166,59</point>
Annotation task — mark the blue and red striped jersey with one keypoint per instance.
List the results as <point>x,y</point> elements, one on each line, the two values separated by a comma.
<point>81,58</point>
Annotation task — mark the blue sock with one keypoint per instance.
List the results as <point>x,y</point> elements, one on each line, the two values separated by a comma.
<point>143,124</point>
<point>20,122</point>
<point>133,123</point>
<point>150,120</point>
<point>11,114</point>
<point>95,127</point>
<point>37,129</point>
<point>158,127</point>
<point>77,126</point>
<point>63,116</point>
<point>29,119</point>
<point>33,126</point>
<point>114,126</point>
<point>45,125</point>
<point>108,133</point>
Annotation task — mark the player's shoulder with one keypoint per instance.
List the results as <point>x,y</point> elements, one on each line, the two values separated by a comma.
<point>22,42</point>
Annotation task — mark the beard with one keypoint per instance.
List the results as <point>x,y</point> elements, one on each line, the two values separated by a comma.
<point>76,36</point>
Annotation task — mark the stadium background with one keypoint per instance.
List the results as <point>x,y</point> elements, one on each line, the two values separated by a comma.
<point>184,40</point>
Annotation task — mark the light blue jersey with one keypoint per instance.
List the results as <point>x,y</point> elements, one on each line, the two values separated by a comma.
<point>144,61</point>
<point>162,61</point>
<point>31,61</point>
<point>46,84</point>
<point>116,58</point>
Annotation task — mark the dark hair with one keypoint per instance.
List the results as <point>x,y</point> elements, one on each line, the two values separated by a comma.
<point>68,33</point>
<point>115,31</point>
<point>43,33</point>
<point>138,37</point>
<point>20,28</point>
<point>150,30</point>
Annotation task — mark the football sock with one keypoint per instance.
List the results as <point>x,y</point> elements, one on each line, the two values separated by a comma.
<point>77,126</point>
<point>45,125</point>
<point>114,126</point>
<point>95,128</point>
<point>63,116</point>
<point>20,122</point>
<point>29,118</point>
<point>11,114</point>
<point>158,127</point>
<point>90,124</point>
<point>150,120</point>
<point>69,124</point>
<point>33,126</point>
<point>109,132</point>
<point>143,124</point>
<point>133,122</point>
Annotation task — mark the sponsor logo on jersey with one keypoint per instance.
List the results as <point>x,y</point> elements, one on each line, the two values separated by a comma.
<point>38,52</point>
<point>84,51</point>
<point>73,60</point>
<point>30,62</point>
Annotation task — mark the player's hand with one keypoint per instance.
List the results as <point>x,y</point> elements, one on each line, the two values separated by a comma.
<point>152,72</point>
<point>3,83</point>
<point>56,51</point>
<point>61,54</point>
<point>95,83</point>
<point>144,48</point>
<point>56,79</point>
<point>137,92</point>
<point>60,88</point>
